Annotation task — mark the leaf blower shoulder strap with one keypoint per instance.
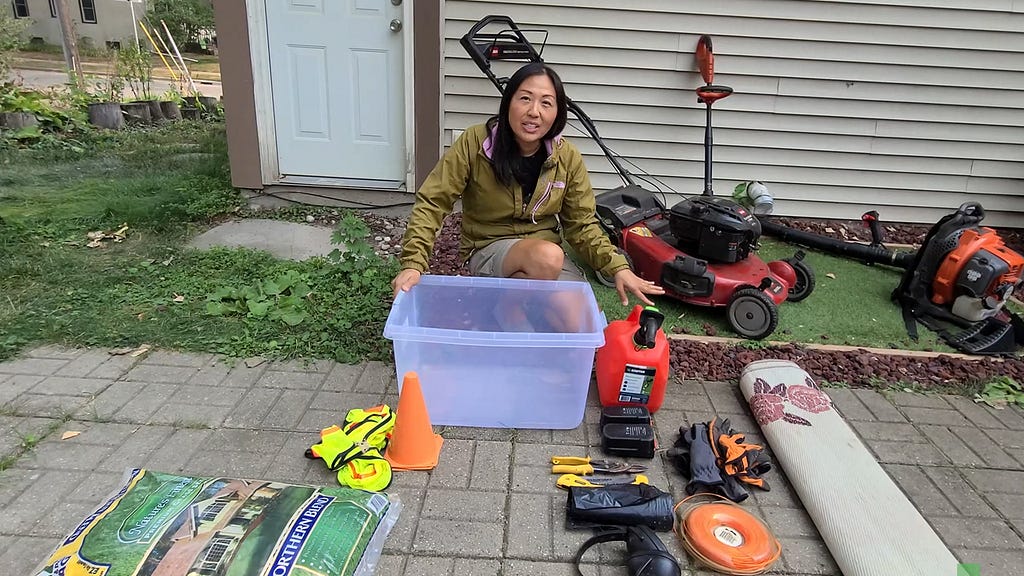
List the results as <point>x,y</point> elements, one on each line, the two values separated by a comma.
<point>912,292</point>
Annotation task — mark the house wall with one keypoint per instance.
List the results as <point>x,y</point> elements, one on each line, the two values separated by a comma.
<point>240,107</point>
<point>910,107</point>
<point>113,22</point>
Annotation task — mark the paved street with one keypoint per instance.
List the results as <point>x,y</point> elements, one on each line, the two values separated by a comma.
<point>490,507</point>
<point>46,78</point>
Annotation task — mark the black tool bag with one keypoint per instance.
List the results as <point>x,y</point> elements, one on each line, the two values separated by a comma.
<point>620,505</point>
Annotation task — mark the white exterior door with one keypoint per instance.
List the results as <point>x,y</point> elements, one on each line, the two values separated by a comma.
<point>336,72</point>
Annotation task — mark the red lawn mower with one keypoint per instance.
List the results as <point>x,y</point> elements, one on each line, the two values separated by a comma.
<point>702,249</point>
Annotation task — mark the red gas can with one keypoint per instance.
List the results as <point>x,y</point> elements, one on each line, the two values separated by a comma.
<point>632,366</point>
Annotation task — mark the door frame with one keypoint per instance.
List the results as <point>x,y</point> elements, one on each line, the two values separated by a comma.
<point>266,128</point>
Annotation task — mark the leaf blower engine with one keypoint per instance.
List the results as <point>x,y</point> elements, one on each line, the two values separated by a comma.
<point>959,282</point>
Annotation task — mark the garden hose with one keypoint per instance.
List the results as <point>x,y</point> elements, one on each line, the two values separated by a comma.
<point>725,537</point>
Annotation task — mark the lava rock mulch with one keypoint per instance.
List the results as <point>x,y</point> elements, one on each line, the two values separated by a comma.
<point>713,361</point>
<point>722,363</point>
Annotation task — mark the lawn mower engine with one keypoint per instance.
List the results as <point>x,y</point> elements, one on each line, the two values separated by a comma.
<point>715,229</point>
<point>708,228</point>
<point>963,276</point>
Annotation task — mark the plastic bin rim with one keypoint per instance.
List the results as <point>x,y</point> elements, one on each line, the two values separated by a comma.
<point>491,282</point>
<point>393,331</point>
<point>490,338</point>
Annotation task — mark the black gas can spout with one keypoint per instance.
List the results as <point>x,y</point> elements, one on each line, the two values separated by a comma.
<point>650,322</point>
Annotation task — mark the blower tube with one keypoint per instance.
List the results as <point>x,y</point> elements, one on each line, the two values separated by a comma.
<point>865,252</point>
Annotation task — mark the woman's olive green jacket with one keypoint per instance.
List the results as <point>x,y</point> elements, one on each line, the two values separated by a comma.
<point>562,205</point>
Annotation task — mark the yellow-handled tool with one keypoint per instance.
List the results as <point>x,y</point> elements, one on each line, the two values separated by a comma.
<point>568,480</point>
<point>584,465</point>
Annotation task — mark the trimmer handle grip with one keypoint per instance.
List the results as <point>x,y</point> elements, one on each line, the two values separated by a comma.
<point>870,219</point>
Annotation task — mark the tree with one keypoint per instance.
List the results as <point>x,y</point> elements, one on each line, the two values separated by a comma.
<point>184,18</point>
<point>10,39</point>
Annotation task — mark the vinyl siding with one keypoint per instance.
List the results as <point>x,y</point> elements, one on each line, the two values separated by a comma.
<point>907,107</point>
<point>113,22</point>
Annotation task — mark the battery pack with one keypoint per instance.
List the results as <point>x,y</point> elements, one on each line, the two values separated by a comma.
<point>636,440</point>
<point>625,415</point>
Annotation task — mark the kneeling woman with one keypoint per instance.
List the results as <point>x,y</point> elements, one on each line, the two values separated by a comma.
<point>523,188</point>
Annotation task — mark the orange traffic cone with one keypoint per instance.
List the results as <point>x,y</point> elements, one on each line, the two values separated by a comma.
<point>413,446</point>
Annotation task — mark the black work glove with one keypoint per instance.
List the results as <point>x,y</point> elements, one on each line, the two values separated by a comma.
<point>694,457</point>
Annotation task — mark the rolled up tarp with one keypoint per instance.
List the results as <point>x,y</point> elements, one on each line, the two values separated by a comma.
<point>865,520</point>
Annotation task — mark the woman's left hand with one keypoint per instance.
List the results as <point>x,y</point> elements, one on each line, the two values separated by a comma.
<point>627,281</point>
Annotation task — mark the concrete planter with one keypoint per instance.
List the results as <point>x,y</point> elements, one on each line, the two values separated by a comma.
<point>18,120</point>
<point>170,110</point>
<point>156,113</point>
<point>106,115</point>
<point>136,113</point>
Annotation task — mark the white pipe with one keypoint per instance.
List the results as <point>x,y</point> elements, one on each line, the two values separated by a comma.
<point>178,53</point>
<point>135,24</point>
<point>167,51</point>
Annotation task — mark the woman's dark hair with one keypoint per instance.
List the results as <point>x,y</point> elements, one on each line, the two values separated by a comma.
<point>505,151</point>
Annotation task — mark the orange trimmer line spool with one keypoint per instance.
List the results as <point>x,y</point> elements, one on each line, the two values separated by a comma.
<point>726,538</point>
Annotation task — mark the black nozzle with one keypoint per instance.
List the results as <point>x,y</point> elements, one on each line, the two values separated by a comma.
<point>650,322</point>
<point>648,556</point>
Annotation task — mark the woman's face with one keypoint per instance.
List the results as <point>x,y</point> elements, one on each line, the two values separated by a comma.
<point>532,112</point>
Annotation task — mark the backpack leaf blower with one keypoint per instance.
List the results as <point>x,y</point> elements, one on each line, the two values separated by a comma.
<point>957,284</point>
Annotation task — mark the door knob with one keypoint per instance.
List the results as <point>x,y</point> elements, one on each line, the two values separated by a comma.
<point>396,25</point>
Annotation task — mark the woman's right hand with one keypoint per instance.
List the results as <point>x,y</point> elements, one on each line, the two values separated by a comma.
<point>406,279</point>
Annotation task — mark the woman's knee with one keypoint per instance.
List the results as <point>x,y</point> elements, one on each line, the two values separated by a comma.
<point>538,259</point>
<point>550,258</point>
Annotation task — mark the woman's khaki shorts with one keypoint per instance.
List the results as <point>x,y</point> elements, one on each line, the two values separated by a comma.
<point>488,261</point>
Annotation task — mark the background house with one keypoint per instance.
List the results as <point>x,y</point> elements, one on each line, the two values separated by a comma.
<point>910,107</point>
<point>99,22</point>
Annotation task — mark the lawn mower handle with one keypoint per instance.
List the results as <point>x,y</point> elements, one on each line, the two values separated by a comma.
<point>513,37</point>
<point>491,19</point>
<point>512,34</point>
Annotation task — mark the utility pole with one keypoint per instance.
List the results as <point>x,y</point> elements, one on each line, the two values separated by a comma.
<point>135,24</point>
<point>70,42</point>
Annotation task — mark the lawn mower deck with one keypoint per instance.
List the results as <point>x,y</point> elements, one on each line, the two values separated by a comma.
<point>713,264</point>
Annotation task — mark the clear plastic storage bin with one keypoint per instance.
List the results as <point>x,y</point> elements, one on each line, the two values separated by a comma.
<point>498,352</point>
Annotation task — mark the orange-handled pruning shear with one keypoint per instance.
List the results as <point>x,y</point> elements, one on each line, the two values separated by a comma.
<point>585,466</point>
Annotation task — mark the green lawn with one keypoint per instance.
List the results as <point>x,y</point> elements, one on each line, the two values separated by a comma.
<point>850,305</point>
<point>165,184</point>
